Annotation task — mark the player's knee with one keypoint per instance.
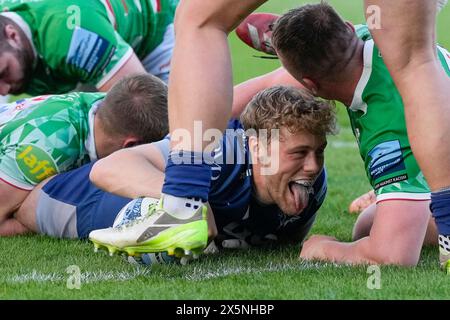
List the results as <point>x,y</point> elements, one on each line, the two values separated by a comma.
<point>185,18</point>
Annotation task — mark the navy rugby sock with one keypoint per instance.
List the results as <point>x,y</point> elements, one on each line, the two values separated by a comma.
<point>187,176</point>
<point>440,207</point>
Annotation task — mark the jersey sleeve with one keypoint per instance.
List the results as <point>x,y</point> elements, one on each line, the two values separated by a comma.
<point>90,51</point>
<point>395,174</point>
<point>413,188</point>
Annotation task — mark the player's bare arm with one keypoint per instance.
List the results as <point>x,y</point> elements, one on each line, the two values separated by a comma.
<point>135,172</point>
<point>245,91</point>
<point>396,237</point>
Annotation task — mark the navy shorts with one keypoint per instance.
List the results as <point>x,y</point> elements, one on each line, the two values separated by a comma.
<point>70,206</point>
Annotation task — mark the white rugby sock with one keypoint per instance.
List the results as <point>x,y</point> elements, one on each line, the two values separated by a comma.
<point>181,208</point>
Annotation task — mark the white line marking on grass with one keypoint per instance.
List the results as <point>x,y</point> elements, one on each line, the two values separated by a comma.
<point>86,277</point>
<point>200,274</point>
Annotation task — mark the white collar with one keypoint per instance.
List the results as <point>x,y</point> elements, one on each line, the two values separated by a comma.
<point>357,102</point>
<point>90,140</point>
<point>22,25</point>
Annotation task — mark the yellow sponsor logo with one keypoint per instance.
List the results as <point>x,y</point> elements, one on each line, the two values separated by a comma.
<point>35,163</point>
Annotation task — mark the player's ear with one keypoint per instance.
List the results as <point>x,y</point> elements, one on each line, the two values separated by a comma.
<point>253,144</point>
<point>258,151</point>
<point>13,36</point>
<point>350,25</point>
<point>130,142</point>
<point>255,148</point>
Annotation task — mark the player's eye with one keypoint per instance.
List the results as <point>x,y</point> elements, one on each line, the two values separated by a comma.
<point>300,154</point>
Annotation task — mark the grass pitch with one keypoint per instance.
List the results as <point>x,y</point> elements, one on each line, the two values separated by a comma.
<point>38,267</point>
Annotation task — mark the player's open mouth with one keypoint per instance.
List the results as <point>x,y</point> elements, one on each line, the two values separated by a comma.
<point>300,190</point>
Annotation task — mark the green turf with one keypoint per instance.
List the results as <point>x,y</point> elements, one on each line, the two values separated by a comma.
<point>34,267</point>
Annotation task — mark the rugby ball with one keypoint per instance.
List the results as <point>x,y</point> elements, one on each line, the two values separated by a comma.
<point>133,210</point>
<point>148,259</point>
<point>256,31</point>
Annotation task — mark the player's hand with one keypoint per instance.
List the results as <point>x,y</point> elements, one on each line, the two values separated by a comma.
<point>235,244</point>
<point>362,202</point>
<point>236,236</point>
<point>313,247</point>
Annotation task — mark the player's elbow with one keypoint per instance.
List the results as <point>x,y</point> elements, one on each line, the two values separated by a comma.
<point>192,17</point>
<point>185,19</point>
<point>98,173</point>
<point>392,257</point>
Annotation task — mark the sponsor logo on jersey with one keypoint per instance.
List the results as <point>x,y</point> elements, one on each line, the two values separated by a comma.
<point>27,103</point>
<point>35,163</point>
<point>389,181</point>
<point>16,110</point>
<point>87,49</point>
<point>386,158</point>
<point>21,104</point>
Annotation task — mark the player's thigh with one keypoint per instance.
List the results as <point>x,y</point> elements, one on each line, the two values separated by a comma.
<point>404,30</point>
<point>26,214</point>
<point>10,199</point>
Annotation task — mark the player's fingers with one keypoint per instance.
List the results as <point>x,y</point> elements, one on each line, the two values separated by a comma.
<point>235,244</point>
<point>359,204</point>
<point>211,248</point>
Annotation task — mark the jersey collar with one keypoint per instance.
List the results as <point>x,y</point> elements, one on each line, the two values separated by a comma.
<point>358,103</point>
<point>22,25</point>
<point>90,140</point>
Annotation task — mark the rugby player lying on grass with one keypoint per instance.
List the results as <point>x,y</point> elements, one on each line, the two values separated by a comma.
<point>50,46</point>
<point>283,182</point>
<point>341,62</point>
<point>43,136</point>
